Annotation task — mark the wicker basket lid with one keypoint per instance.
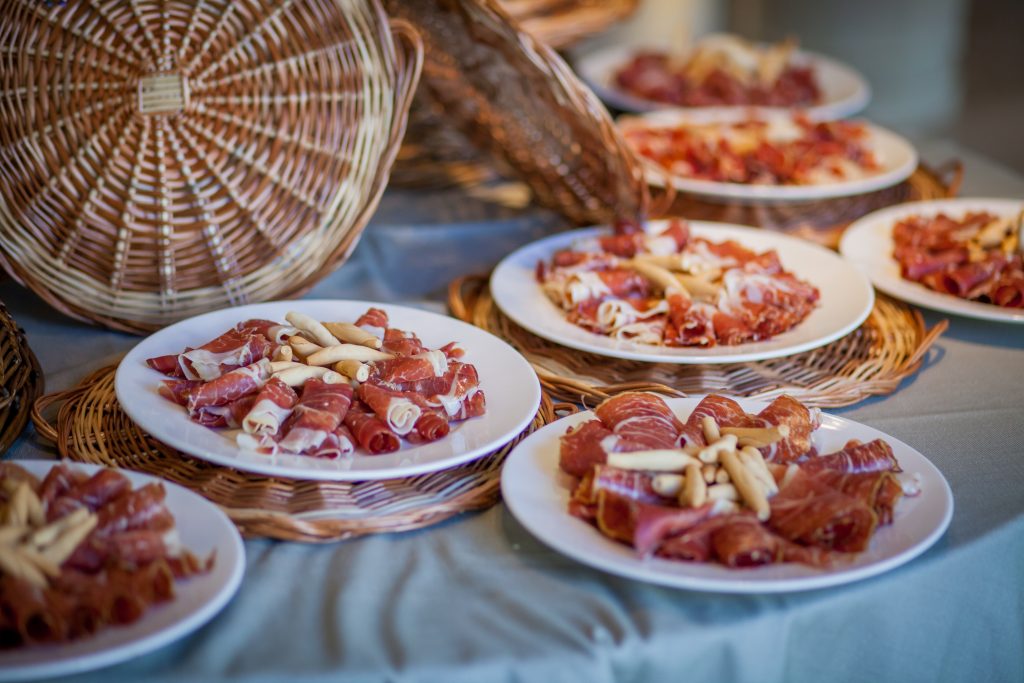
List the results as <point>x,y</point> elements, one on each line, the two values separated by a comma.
<point>560,23</point>
<point>163,158</point>
<point>516,100</point>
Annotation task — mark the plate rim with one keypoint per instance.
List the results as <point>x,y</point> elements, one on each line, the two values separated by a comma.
<point>339,474</point>
<point>882,220</point>
<point>146,644</point>
<point>683,357</point>
<point>775,194</point>
<point>584,64</point>
<point>739,584</point>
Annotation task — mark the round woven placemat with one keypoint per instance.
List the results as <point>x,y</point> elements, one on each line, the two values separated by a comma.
<point>91,427</point>
<point>21,379</point>
<point>871,360</point>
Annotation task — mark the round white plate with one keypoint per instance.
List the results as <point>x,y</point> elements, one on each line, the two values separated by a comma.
<point>868,244</point>
<point>844,91</point>
<point>203,528</point>
<point>897,157</point>
<point>537,493</point>
<point>510,384</point>
<point>846,299</point>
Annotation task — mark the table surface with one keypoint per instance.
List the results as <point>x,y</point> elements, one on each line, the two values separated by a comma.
<point>478,599</point>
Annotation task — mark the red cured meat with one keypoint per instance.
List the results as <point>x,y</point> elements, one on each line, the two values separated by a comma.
<point>453,351</point>
<point>640,418</point>
<point>337,443</point>
<point>652,524</point>
<point>167,365</point>
<point>581,448</point>
<point>918,264</point>
<point>257,326</point>
<point>632,484</point>
<point>460,378</point>
<point>786,410</point>
<point>370,432</point>
<point>402,369</point>
<point>230,386</point>
<point>322,407</point>
<point>431,426</point>
<point>177,390</point>
<point>1009,292</point>
<point>808,511</point>
<point>373,317</point>
<point>880,491</point>
<point>623,282</point>
<point>725,411</point>
<point>278,393</point>
<point>92,493</point>
<point>142,508</point>
<point>402,343</point>
<point>873,456</point>
<point>473,405</point>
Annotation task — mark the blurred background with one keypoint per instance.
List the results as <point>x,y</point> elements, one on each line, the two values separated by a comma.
<point>949,69</point>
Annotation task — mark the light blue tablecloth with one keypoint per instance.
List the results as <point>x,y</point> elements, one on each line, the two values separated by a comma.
<point>478,599</point>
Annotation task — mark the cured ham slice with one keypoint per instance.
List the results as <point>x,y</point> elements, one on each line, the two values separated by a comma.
<point>257,326</point>
<point>724,411</point>
<point>238,351</point>
<point>336,444</point>
<point>177,390</point>
<point>167,365</point>
<point>318,412</point>
<point>373,317</point>
<point>640,418</point>
<point>230,386</point>
<point>880,491</point>
<point>786,410</point>
<point>633,484</point>
<point>873,456</point>
<point>808,511</point>
<point>371,433</point>
<point>399,410</point>
<point>652,524</point>
<point>404,369</point>
<point>402,343</point>
<point>271,408</point>
<point>431,426</point>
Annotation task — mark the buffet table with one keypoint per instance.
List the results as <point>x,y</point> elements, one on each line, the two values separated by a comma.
<point>477,598</point>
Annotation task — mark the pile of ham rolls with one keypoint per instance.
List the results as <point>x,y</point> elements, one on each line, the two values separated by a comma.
<point>324,389</point>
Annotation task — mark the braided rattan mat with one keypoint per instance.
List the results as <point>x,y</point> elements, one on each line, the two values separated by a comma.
<point>871,360</point>
<point>21,380</point>
<point>91,427</point>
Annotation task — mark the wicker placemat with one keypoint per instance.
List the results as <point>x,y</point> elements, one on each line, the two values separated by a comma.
<point>21,379</point>
<point>871,360</point>
<point>91,427</point>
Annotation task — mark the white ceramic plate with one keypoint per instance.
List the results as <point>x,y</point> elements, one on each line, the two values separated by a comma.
<point>868,244</point>
<point>897,157</point>
<point>844,91</point>
<point>511,386</point>
<point>203,528</point>
<point>537,493</point>
<point>846,299</point>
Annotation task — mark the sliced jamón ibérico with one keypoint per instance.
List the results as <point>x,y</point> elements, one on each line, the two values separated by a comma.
<point>880,491</point>
<point>318,412</point>
<point>374,317</point>
<point>230,415</point>
<point>230,386</point>
<point>786,410</point>
<point>177,390</point>
<point>724,411</point>
<point>431,426</point>
<point>873,456</point>
<point>808,511</point>
<point>402,343</point>
<point>370,432</point>
<point>271,407</point>
<point>336,444</point>
<point>399,410</point>
<point>641,418</point>
<point>402,369</point>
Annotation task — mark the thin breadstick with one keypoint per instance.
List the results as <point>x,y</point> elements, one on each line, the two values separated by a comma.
<point>758,437</point>
<point>332,354</point>
<point>13,563</point>
<point>660,277</point>
<point>752,458</point>
<point>61,549</point>
<point>297,376</point>
<point>721,476</point>
<point>658,460</point>
<point>695,490</point>
<point>709,471</point>
<point>723,492</point>
<point>313,327</point>
<point>347,332</point>
<point>283,353</point>
<point>279,333</point>
<point>746,484</point>
<point>279,365</point>
<point>303,347</point>
<point>699,286</point>
<point>17,510</point>
<point>712,452</point>
<point>11,533</point>
<point>710,428</point>
<point>668,485</point>
<point>41,562</point>
<point>666,261</point>
<point>48,534</point>
<point>353,369</point>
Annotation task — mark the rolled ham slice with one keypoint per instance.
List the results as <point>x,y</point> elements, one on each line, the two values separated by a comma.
<point>230,386</point>
<point>640,418</point>
<point>399,410</point>
<point>271,408</point>
<point>371,433</point>
<point>318,413</point>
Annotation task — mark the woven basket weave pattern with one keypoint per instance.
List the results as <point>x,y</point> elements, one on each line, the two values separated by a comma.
<point>160,159</point>
<point>21,380</point>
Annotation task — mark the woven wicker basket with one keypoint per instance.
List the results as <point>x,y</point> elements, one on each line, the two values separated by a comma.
<point>516,100</point>
<point>561,23</point>
<point>161,158</point>
<point>21,380</point>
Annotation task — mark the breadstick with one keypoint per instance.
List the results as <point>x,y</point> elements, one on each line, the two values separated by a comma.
<point>723,492</point>
<point>758,437</point>
<point>752,458</point>
<point>302,346</point>
<point>332,354</point>
<point>347,332</point>
<point>353,369</point>
<point>710,428</point>
<point>695,490</point>
<point>283,353</point>
<point>713,451</point>
<point>279,365</point>
<point>313,327</point>
<point>746,484</point>
<point>297,376</point>
<point>658,460</point>
<point>668,485</point>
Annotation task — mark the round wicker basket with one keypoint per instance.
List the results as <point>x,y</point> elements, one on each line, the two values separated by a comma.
<point>21,380</point>
<point>161,158</point>
<point>519,103</point>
